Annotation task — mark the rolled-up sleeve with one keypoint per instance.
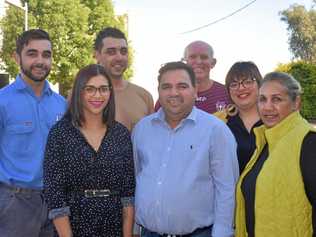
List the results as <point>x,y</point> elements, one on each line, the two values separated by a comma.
<point>128,174</point>
<point>54,176</point>
<point>58,212</point>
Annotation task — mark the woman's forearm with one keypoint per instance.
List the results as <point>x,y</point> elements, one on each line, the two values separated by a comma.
<point>63,227</point>
<point>128,221</point>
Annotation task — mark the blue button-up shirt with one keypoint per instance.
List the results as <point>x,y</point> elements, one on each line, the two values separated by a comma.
<point>185,177</point>
<point>25,121</point>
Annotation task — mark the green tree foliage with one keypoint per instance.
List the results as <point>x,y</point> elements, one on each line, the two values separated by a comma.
<point>97,17</point>
<point>66,22</point>
<point>11,25</point>
<point>72,25</point>
<point>305,73</point>
<point>302,31</point>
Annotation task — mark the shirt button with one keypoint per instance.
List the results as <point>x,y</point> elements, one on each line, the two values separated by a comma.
<point>164,165</point>
<point>168,149</point>
<point>159,182</point>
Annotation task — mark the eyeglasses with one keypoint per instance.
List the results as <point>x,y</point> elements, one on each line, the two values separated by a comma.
<point>247,83</point>
<point>92,90</point>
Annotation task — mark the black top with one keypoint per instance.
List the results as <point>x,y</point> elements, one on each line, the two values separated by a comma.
<point>246,142</point>
<point>308,168</point>
<point>248,187</point>
<point>72,164</point>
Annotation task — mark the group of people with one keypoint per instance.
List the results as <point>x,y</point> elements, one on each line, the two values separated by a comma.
<point>108,161</point>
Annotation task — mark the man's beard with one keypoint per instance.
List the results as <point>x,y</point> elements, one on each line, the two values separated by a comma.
<point>29,74</point>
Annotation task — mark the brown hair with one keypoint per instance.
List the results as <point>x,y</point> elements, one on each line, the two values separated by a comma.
<point>242,70</point>
<point>27,36</point>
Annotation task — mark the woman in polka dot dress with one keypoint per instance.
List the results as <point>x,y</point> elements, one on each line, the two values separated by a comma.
<point>89,178</point>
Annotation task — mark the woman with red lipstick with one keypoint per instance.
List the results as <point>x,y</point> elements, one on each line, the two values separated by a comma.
<point>88,170</point>
<point>276,193</point>
<point>242,81</point>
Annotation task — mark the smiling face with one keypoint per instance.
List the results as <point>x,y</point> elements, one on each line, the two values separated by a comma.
<point>274,103</point>
<point>199,56</point>
<point>245,94</point>
<point>113,56</point>
<point>95,96</point>
<point>35,60</point>
<point>176,95</point>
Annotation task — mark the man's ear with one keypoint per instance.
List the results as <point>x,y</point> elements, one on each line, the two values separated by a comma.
<point>213,62</point>
<point>97,55</point>
<point>16,57</point>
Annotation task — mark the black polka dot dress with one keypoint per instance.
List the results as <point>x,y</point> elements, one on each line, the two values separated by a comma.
<point>71,166</point>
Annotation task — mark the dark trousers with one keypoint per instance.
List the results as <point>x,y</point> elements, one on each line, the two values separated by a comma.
<point>23,212</point>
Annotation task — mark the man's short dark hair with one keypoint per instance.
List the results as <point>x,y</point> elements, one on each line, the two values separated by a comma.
<point>27,36</point>
<point>107,32</point>
<point>171,66</point>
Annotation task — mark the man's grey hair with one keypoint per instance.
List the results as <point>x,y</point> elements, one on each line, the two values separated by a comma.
<point>210,49</point>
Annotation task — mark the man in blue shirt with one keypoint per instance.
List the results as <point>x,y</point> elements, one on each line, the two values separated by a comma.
<point>186,164</point>
<point>28,109</point>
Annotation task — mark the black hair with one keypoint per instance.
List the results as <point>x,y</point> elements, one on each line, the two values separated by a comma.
<point>107,32</point>
<point>171,66</point>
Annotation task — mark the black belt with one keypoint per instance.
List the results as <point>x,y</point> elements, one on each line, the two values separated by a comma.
<point>19,189</point>
<point>93,193</point>
<point>195,232</point>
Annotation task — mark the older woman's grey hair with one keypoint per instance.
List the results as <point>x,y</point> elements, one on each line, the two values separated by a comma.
<point>292,86</point>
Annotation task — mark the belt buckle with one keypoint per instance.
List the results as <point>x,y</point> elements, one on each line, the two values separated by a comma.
<point>91,193</point>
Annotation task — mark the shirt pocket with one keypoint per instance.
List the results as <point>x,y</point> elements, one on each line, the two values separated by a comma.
<point>19,138</point>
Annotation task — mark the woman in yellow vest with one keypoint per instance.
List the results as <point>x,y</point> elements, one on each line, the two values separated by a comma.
<point>276,193</point>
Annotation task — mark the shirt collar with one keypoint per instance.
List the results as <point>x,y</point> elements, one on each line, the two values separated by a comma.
<point>160,116</point>
<point>22,85</point>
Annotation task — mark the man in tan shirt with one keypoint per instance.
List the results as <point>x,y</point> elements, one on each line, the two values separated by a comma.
<point>132,102</point>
